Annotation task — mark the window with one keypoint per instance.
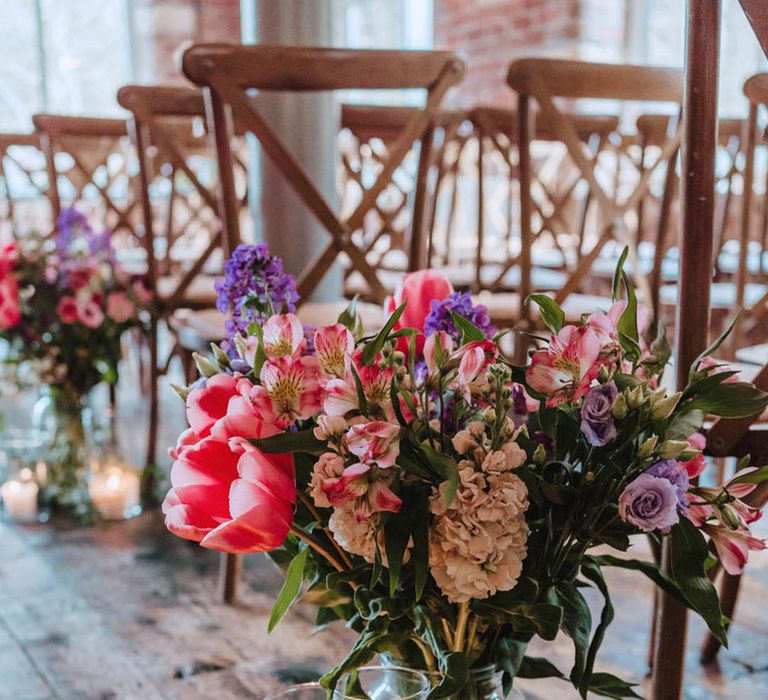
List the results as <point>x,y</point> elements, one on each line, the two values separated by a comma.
<point>63,56</point>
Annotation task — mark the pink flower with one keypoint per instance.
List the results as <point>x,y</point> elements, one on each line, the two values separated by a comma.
<point>419,289</point>
<point>695,466</point>
<point>567,367</point>
<point>10,310</point>
<point>231,500</point>
<point>289,390</point>
<point>440,340</point>
<point>208,404</point>
<point>733,546</point>
<point>718,368</point>
<point>143,294</point>
<point>90,314</point>
<point>333,346</point>
<point>284,336</point>
<point>605,324</point>
<point>366,496</point>
<point>341,394</point>
<point>475,358</point>
<point>78,279</point>
<point>9,256</point>
<point>67,309</point>
<point>119,307</point>
<point>377,442</point>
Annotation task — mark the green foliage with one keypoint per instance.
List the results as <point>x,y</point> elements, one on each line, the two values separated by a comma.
<point>290,590</point>
<point>551,314</point>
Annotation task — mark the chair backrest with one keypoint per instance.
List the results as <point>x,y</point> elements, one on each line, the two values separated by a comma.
<point>229,72</point>
<point>547,80</point>
<point>89,166</point>
<point>24,202</point>
<point>176,188</point>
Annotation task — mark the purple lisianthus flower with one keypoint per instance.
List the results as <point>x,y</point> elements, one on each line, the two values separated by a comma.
<point>650,503</point>
<point>254,287</point>
<point>596,419</point>
<point>675,474</point>
<point>440,319</point>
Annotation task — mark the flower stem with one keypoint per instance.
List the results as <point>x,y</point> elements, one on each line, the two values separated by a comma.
<point>314,544</point>
<point>461,627</point>
<point>316,515</point>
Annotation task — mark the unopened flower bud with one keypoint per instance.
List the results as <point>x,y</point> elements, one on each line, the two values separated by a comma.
<point>398,357</point>
<point>729,517</point>
<point>670,449</point>
<point>205,366</point>
<point>620,407</point>
<point>221,357</point>
<point>489,414</point>
<point>635,396</point>
<point>539,455</point>
<point>688,454</point>
<point>604,374</point>
<point>647,448</point>
<point>663,408</point>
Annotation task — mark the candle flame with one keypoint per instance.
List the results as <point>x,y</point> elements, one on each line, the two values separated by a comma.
<point>113,481</point>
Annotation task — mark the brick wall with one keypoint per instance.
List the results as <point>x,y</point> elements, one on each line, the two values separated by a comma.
<point>161,27</point>
<point>488,33</point>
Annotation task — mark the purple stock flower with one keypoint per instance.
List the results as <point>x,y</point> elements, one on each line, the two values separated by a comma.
<point>254,287</point>
<point>596,419</point>
<point>675,474</point>
<point>440,319</point>
<point>650,503</point>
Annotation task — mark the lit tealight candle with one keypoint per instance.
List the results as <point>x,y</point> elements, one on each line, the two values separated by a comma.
<point>20,499</point>
<point>115,493</point>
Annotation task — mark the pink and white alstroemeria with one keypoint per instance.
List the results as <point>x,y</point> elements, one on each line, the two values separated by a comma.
<point>475,358</point>
<point>341,394</point>
<point>733,546</point>
<point>717,368</point>
<point>604,324</point>
<point>284,336</point>
<point>440,340</point>
<point>567,367</point>
<point>354,486</point>
<point>289,389</point>
<point>377,442</point>
<point>333,347</point>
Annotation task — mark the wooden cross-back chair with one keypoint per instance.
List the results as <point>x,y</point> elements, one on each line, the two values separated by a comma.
<point>555,182</point>
<point>543,81</point>
<point>24,201</point>
<point>88,162</point>
<point>229,72</point>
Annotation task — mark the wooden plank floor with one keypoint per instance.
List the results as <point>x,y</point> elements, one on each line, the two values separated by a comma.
<point>127,611</point>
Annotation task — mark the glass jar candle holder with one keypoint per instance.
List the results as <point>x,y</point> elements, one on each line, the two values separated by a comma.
<point>114,491</point>
<point>20,496</point>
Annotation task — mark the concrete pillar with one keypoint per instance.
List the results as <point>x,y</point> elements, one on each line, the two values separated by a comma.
<point>308,125</point>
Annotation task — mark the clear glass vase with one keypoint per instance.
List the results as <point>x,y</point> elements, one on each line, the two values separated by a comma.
<point>383,683</point>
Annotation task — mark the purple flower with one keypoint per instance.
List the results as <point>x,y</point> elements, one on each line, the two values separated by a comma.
<point>440,319</point>
<point>254,287</point>
<point>650,503</point>
<point>675,474</point>
<point>596,419</point>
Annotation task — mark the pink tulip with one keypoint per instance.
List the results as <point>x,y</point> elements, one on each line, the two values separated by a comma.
<point>377,442</point>
<point>231,500</point>
<point>733,546</point>
<point>10,309</point>
<point>567,367</point>
<point>119,307</point>
<point>419,289</point>
<point>209,403</point>
<point>284,336</point>
<point>442,340</point>
<point>90,314</point>
<point>67,309</point>
<point>289,390</point>
<point>333,347</point>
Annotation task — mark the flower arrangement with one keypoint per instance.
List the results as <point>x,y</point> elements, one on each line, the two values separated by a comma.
<point>441,501</point>
<point>64,303</point>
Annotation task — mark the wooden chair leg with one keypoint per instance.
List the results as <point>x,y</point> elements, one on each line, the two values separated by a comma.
<point>230,574</point>
<point>154,380</point>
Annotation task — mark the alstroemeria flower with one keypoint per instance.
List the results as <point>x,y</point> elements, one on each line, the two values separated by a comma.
<point>733,546</point>
<point>718,368</point>
<point>90,314</point>
<point>442,340</point>
<point>604,324</point>
<point>419,290</point>
<point>67,309</point>
<point>9,256</point>
<point>341,394</point>
<point>475,359</point>
<point>355,487</point>
<point>284,336</point>
<point>695,466</point>
<point>377,442</point>
<point>567,367</point>
<point>289,389</point>
<point>333,346</point>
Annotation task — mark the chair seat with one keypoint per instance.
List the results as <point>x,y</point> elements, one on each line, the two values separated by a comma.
<point>199,294</point>
<point>723,294</point>
<point>504,307</point>
<point>356,284</point>
<point>753,354</point>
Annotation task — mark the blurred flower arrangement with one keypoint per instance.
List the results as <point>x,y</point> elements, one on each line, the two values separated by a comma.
<point>64,304</point>
<point>443,502</point>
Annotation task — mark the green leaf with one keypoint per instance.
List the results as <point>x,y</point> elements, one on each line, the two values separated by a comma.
<point>689,551</point>
<point>375,346</point>
<point>538,667</point>
<point>683,425</point>
<point>577,624</point>
<point>652,570</point>
<point>756,477</point>
<point>714,346</point>
<point>551,313</point>
<point>351,318</point>
<point>290,590</point>
<point>609,686</point>
<point>454,671</point>
<point>420,553</point>
<point>397,532</point>
<point>591,571</point>
<point>660,347</point>
<point>543,619</point>
<point>447,468</point>
<point>626,326</point>
<point>299,441</point>
<point>367,645</point>
<point>618,274</point>
<point>469,331</point>
<point>361,399</point>
<point>729,400</point>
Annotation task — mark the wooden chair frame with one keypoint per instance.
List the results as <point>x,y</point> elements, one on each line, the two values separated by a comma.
<point>544,80</point>
<point>66,134</point>
<point>7,142</point>
<point>228,71</point>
